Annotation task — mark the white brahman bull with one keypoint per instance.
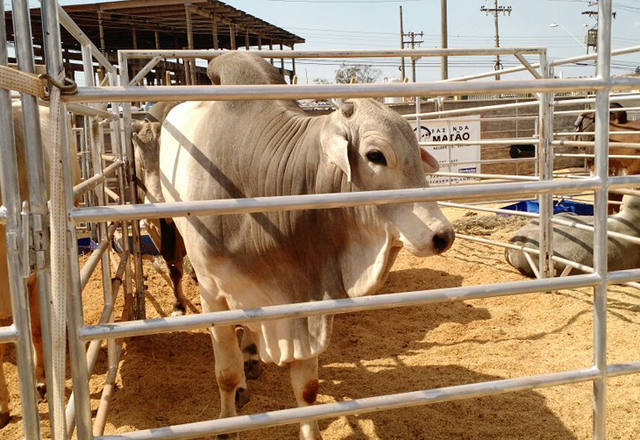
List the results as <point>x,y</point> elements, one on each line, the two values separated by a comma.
<point>217,150</point>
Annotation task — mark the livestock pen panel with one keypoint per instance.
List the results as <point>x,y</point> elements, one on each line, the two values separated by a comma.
<point>64,216</point>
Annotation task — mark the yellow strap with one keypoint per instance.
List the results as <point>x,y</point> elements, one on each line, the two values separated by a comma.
<point>29,83</point>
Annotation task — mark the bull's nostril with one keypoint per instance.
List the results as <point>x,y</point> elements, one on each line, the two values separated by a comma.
<point>442,241</point>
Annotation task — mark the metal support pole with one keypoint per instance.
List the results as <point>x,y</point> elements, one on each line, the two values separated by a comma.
<point>545,167</point>
<point>214,31</point>
<point>138,305</point>
<point>101,31</point>
<point>190,63</point>
<point>232,36</point>
<point>37,193</point>
<point>65,237</point>
<point>97,149</point>
<point>402,70</point>
<point>444,61</point>
<point>281,62</point>
<point>246,39</point>
<point>600,221</point>
<point>11,201</point>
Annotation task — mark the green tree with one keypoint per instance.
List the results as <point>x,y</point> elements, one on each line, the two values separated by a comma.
<point>359,73</point>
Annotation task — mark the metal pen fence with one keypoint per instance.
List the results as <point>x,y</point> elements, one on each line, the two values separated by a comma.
<point>64,216</point>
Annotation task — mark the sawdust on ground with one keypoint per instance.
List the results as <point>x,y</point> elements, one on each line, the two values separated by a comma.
<point>169,378</point>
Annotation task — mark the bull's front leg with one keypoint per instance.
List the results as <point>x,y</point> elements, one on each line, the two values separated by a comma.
<point>228,357</point>
<point>5,416</point>
<point>304,380</point>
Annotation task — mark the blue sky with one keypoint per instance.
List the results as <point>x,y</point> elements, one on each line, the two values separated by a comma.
<point>370,24</point>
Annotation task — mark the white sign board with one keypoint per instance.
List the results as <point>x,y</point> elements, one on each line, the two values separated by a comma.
<point>454,158</point>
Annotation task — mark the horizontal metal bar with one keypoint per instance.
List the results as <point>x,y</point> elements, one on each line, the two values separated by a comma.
<point>623,276</point>
<point>323,201</point>
<point>613,109</point>
<point>513,105</point>
<point>271,92</point>
<point>96,180</point>
<point>592,133</point>
<point>358,406</point>
<point>623,181</point>
<point>486,176</point>
<point>510,141</point>
<point>310,54</point>
<point>91,263</point>
<point>3,215</point>
<point>611,156</point>
<point>405,299</point>
<point>614,370</point>
<point>591,144</point>
<point>8,334</point>
<point>575,59</point>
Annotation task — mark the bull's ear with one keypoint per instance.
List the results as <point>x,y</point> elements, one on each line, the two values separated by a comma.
<point>429,163</point>
<point>336,147</point>
<point>619,117</point>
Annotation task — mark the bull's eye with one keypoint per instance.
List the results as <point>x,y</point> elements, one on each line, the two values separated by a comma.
<point>376,156</point>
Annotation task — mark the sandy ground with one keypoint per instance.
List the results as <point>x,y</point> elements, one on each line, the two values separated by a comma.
<point>169,379</point>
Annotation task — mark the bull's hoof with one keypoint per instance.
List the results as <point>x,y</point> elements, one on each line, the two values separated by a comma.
<point>252,369</point>
<point>41,387</point>
<point>178,309</point>
<point>228,436</point>
<point>242,397</point>
<point>4,419</point>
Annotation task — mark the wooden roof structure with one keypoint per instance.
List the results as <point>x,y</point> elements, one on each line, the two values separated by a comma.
<point>160,24</point>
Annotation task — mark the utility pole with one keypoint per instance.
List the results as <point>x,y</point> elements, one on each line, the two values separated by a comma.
<point>444,61</point>
<point>413,42</point>
<point>496,11</point>
<point>402,46</point>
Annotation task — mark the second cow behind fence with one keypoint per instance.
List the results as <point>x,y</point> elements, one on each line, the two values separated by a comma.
<point>577,244</point>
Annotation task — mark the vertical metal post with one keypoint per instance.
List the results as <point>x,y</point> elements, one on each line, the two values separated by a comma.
<point>281,62</point>
<point>64,236</point>
<point>293,63</point>
<point>97,148</point>
<point>271,48</point>
<point>600,221</point>
<point>232,36</point>
<point>138,304</point>
<point>444,61</point>
<point>246,39</point>
<point>19,303</point>
<point>214,31</point>
<point>545,167</point>
<point>118,143</point>
<point>101,31</point>
<point>191,63</point>
<point>260,42</point>
<point>37,187</point>
<point>402,45</point>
